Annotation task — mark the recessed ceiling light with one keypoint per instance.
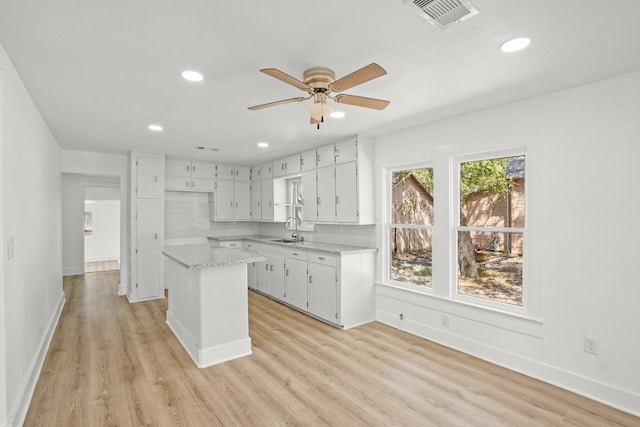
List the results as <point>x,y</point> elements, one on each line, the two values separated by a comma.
<point>192,76</point>
<point>515,45</point>
<point>156,128</point>
<point>263,144</point>
<point>337,114</point>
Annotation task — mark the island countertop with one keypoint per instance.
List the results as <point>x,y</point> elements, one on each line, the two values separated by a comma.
<point>194,257</point>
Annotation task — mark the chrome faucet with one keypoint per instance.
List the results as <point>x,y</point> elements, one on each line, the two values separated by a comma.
<point>295,236</point>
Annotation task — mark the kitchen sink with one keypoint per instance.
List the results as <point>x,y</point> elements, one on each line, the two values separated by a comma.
<point>284,241</point>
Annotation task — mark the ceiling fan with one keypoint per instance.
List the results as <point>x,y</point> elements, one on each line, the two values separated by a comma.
<point>321,84</point>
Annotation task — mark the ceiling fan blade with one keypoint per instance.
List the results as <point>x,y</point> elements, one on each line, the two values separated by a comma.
<point>361,101</point>
<point>273,104</point>
<point>364,74</point>
<point>274,72</point>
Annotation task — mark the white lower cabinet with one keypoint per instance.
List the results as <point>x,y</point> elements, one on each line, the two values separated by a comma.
<point>295,279</point>
<point>335,288</point>
<point>323,287</point>
<point>270,273</point>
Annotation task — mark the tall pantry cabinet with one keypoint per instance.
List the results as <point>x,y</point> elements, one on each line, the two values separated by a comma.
<point>147,227</point>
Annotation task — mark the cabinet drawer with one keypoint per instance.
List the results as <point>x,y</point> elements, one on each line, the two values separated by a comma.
<point>231,243</point>
<point>323,259</point>
<point>301,255</point>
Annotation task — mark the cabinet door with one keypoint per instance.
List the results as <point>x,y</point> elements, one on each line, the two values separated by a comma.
<point>256,200</point>
<point>323,292</point>
<point>177,183</point>
<point>262,276</point>
<point>308,160</point>
<point>267,199</point>
<point>346,151</point>
<point>177,167</point>
<point>203,184</point>
<point>149,177</point>
<point>326,194</point>
<point>292,164</point>
<point>325,156</point>
<point>242,173</point>
<point>203,170</point>
<point>224,200</point>
<point>255,173</point>
<point>149,226</point>
<point>242,197</point>
<point>225,172</point>
<point>295,283</point>
<point>266,170</point>
<point>309,196</point>
<point>279,168</point>
<point>346,193</point>
<point>276,276</point>
<point>252,275</point>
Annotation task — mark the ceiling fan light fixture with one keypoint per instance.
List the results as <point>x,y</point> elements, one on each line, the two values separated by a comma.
<point>337,114</point>
<point>319,110</point>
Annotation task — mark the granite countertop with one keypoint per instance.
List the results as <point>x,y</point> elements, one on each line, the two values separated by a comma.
<point>195,257</point>
<point>327,248</point>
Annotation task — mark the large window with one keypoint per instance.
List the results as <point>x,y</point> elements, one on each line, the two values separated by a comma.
<point>411,227</point>
<point>490,231</point>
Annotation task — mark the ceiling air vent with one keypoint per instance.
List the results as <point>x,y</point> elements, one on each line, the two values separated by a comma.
<point>442,13</point>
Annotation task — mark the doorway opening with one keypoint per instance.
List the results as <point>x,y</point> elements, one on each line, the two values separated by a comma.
<point>101,229</point>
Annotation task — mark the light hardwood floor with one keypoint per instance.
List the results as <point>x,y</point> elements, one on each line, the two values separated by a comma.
<point>115,363</point>
<point>98,266</point>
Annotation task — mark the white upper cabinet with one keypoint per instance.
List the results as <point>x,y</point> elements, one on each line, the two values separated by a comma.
<point>287,166</point>
<point>256,173</point>
<point>185,175</point>
<point>149,171</point>
<point>346,150</point>
<point>266,170</point>
<point>308,160</point>
<point>242,173</point>
<point>225,172</point>
<point>325,156</point>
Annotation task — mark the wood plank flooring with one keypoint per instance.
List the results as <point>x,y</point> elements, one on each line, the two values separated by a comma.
<point>114,363</point>
<point>97,266</point>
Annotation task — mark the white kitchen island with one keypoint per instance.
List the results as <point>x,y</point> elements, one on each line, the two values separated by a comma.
<point>208,307</point>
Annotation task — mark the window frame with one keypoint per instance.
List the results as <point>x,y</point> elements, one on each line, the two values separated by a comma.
<point>388,226</point>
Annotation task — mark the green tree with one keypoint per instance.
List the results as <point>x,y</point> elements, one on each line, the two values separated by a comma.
<point>487,176</point>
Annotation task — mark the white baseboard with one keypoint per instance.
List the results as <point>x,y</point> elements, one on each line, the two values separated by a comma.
<point>73,271</point>
<point>205,357</point>
<point>615,397</point>
<point>18,413</point>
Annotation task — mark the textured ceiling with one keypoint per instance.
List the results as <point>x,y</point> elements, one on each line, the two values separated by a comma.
<point>100,72</point>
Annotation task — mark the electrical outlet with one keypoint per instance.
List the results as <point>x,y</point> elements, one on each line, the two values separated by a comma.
<point>401,316</point>
<point>445,320</point>
<point>591,345</point>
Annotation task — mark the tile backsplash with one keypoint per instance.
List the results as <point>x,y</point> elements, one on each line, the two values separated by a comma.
<point>187,216</point>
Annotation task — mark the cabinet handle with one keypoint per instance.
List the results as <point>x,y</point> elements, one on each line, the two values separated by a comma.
<point>283,166</point>
<point>310,279</point>
<point>230,204</point>
<point>236,173</point>
<point>187,168</point>
<point>266,267</point>
<point>295,254</point>
<point>318,200</point>
<point>258,204</point>
<point>286,272</point>
<point>337,153</point>
<point>321,258</point>
<point>271,267</point>
<point>317,157</point>
<point>155,236</point>
<point>193,168</point>
<point>236,204</point>
<point>193,184</point>
<point>155,178</point>
<point>337,200</point>
<point>301,161</point>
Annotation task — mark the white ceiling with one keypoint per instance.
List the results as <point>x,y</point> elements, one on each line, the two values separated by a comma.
<point>101,71</point>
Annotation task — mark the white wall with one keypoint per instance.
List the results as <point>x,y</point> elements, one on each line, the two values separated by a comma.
<point>104,243</point>
<point>588,144</point>
<point>98,169</point>
<point>32,297</point>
